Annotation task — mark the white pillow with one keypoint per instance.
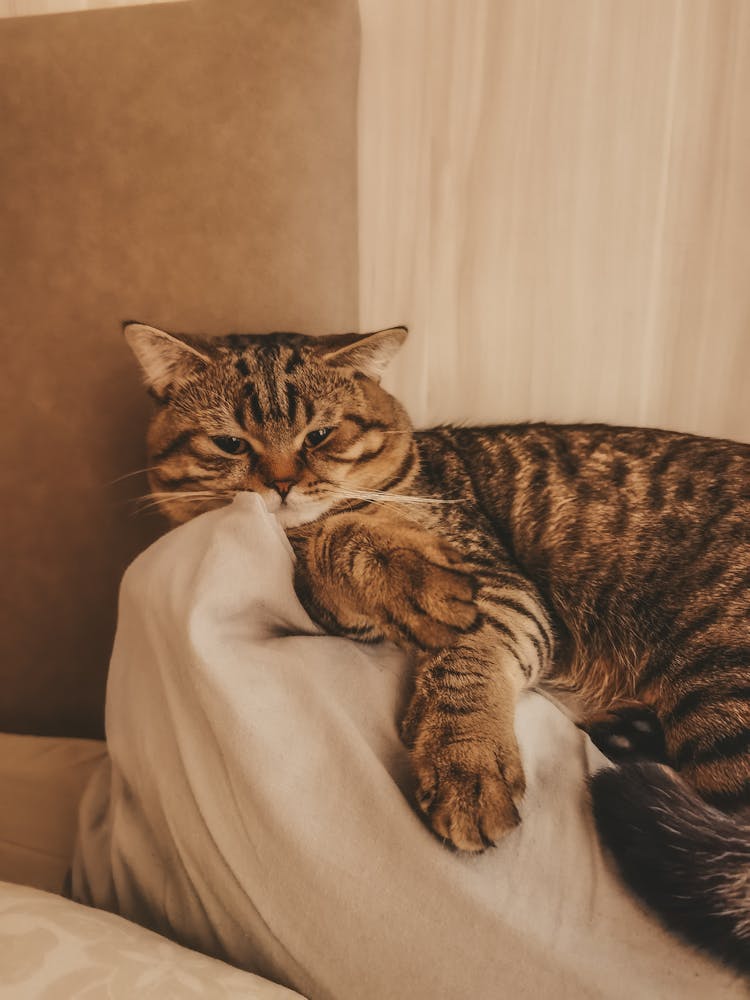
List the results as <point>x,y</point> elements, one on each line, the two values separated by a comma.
<point>258,806</point>
<point>54,949</point>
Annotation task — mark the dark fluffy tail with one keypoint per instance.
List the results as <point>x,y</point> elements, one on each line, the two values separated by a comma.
<point>687,860</point>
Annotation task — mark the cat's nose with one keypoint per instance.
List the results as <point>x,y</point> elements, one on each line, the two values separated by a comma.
<point>283,486</point>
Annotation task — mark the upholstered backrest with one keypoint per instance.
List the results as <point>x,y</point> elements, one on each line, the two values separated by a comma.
<point>191,165</point>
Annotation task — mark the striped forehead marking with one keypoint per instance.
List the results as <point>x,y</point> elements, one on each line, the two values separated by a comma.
<point>269,392</point>
<point>250,392</point>
<point>279,402</point>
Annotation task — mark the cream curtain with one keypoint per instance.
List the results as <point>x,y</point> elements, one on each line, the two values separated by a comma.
<point>555,196</point>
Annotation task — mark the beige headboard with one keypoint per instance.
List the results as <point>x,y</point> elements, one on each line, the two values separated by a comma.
<point>191,165</point>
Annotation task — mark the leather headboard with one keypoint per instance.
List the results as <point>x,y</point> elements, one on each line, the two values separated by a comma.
<point>190,165</point>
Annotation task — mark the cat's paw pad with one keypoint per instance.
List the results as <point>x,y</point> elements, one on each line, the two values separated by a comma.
<point>470,793</point>
<point>627,731</point>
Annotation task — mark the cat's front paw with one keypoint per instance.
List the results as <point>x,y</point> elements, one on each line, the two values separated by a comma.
<point>432,593</point>
<point>470,791</point>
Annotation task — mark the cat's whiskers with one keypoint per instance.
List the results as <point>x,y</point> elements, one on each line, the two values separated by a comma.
<point>348,500</point>
<point>129,475</point>
<point>380,498</point>
<point>156,499</point>
<point>383,496</point>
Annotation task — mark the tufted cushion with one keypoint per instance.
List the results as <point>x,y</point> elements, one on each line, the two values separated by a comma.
<point>187,164</point>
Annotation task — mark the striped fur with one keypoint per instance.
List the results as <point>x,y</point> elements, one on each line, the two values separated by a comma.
<point>605,563</point>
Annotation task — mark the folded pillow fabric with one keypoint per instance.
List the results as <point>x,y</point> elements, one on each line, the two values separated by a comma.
<point>54,949</point>
<point>256,806</point>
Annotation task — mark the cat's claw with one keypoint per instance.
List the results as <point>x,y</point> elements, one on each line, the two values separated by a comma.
<point>470,793</point>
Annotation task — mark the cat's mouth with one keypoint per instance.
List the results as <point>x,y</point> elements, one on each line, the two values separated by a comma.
<point>272,500</point>
<point>294,509</point>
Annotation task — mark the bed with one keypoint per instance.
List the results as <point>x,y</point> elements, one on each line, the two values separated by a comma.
<point>248,830</point>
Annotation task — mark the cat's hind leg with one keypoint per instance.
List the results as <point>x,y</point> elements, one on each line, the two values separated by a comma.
<point>627,731</point>
<point>702,697</point>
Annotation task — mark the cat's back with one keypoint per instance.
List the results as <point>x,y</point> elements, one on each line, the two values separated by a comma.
<point>558,491</point>
<point>582,457</point>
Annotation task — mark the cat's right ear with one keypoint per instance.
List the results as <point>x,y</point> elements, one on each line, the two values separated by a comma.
<point>368,353</point>
<point>164,358</point>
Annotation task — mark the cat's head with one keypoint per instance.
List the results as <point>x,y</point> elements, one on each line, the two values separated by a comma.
<point>303,421</point>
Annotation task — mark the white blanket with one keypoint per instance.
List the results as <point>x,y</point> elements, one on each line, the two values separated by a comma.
<point>257,807</point>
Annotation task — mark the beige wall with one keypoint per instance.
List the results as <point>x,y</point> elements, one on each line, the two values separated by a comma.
<point>555,195</point>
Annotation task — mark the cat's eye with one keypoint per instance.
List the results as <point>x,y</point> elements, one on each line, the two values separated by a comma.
<point>317,437</point>
<point>231,445</point>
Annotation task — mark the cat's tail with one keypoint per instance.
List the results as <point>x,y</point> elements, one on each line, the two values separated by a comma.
<point>685,859</point>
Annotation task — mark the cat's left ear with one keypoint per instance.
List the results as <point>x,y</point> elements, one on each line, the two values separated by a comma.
<point>368,353</point>
<point>163,357</point>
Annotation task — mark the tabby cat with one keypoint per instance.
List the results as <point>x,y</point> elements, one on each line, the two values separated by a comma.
<point>609,564</point>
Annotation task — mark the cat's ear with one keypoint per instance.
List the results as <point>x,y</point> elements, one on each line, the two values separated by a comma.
<point>164,358</point>
<point>369,353</point>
